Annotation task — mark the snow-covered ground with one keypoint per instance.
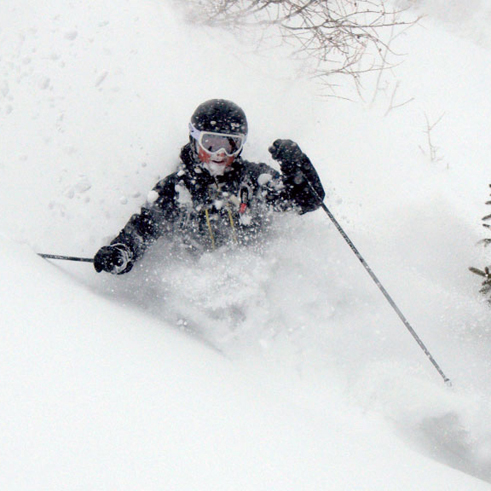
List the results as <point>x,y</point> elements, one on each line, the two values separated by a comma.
<point>283,368</point>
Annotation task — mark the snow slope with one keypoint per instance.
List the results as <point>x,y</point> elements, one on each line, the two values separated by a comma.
<point>279,368</point>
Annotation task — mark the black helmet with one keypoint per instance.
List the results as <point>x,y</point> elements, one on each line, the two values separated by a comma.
<point>220,116</point>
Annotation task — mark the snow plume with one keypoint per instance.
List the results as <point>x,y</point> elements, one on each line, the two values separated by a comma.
<point>293,308</point>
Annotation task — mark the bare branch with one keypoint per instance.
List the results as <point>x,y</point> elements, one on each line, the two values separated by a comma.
<point>392,104</point>
<point>348,37</point>
<point>433,150</point>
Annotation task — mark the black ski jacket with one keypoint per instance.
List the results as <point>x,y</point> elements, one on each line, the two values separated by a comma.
<point>206,212</point>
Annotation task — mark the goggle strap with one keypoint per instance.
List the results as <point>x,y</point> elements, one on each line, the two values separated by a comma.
<point>194,132</point>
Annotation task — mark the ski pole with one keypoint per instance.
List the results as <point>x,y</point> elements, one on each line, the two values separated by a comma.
<point>380,286</point>
<point>67,258</point>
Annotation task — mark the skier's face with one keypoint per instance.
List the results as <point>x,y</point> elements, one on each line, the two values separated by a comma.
<point>216,151</point>
<point>216,163</point>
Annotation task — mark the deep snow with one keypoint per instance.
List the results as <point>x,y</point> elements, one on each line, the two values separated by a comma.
<point>279,368</point>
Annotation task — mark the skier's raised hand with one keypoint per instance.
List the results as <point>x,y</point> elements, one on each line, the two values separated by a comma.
<point>288,154</point>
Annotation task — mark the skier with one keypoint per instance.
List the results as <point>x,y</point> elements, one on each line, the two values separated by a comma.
<point>215,197</point>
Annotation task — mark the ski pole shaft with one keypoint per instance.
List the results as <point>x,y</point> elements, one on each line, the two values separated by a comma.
<point>380,286</point>
<point>67,258</point>
<point>386,295</point>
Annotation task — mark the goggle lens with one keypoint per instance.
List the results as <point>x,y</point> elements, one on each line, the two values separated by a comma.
<point>214,142</point>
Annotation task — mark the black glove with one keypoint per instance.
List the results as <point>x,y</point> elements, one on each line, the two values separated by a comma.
<point>289,155</point>
<point>299,176</point>
<point>115,259</point>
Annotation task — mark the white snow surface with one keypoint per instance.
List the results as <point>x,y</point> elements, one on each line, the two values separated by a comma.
<point>282,368</point>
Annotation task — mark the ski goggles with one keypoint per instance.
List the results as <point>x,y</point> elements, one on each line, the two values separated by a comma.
<point>215,142</point>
